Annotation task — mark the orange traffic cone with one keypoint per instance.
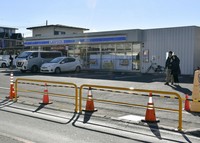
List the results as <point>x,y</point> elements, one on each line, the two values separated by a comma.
<point>90,102</point>
<point>150,112</point>
<point>45,96</point>
<point>187,103</point>
<point>12,89</point>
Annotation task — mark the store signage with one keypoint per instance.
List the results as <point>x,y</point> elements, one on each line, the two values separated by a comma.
<point>76,41</point>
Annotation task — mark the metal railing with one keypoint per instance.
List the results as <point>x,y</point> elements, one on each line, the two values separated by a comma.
<point>173,95</point>
<point>67,84</point>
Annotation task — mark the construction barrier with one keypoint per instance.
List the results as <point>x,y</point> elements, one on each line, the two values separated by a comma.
<point>124,92</point>
<point>111,88</point>
<point>45,93</point>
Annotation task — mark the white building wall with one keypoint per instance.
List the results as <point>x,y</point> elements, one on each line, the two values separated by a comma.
<point>197,48</point>
<point>49,31</point>
<point>180,40</point>
<point>44,32</point>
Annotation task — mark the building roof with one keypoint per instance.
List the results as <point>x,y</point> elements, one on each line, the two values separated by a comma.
<point>8,28</point>
<point>57,25</point>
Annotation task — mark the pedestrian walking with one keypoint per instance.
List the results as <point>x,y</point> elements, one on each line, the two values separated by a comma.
<point>175,69</point>
<point>168,67</point>
<point>11,61</point>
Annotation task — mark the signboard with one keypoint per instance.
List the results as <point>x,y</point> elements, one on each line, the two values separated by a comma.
<point>76,41</point>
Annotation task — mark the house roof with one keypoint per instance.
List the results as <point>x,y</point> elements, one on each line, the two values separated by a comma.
<point>8,28</point>
<point>57,25</point>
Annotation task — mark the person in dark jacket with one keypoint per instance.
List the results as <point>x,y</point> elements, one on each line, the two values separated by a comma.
<point>11,61</point>
<point>175,69</point>
<point>168,67</point>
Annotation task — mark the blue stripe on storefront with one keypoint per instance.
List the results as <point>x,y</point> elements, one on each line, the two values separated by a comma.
<point>75,41</point>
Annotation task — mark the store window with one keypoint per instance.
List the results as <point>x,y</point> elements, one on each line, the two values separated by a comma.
<point>123,58</point>
<point>93,58</point>
<point>112,56</point>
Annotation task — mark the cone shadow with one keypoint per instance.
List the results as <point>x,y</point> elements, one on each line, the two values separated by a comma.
<point>40,107</point>
<point>87,116</point>
<point>155,130</point>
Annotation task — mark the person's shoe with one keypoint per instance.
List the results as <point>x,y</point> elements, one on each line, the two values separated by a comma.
<point>166,83</point>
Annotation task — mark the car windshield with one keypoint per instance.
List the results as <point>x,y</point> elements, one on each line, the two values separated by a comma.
<point>56,60</point>
<point>24,54</point>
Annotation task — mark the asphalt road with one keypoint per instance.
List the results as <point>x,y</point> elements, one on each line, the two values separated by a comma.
<point>20,123</point>
<point>112,113</point>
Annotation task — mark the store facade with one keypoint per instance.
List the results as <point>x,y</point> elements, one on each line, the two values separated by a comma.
<point>114,51</point>
<point>127,50</point>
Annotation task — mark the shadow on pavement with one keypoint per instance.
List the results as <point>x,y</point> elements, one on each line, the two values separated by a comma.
<point>87,116</point>
<point>155,130</point>
<point>107,75</point>
<point>40,107</point>
<point>6,102</point>
<point>181,89</point>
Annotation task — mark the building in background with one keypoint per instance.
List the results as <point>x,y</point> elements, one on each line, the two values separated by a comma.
<point>10,41</point>
<point>133,50</point>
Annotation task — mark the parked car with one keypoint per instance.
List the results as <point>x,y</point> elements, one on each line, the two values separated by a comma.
<point>61,64</point>
<point>32,60</point>
<point>4,63</point>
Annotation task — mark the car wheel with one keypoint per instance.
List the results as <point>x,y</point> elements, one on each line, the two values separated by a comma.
<point>3,65</point>
<point>78,69</point>
<point>57,71</point>
<point>34,69</point>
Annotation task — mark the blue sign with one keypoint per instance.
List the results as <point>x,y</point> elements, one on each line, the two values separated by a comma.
<point>76,41</point>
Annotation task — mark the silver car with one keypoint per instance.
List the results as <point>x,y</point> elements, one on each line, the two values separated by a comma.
<point>4,63</point>
<point>61,64</point>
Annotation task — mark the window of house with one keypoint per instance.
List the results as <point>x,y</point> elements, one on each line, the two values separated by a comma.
<point>62,33</point>
<point>59,33</point>
<point>56,32</point>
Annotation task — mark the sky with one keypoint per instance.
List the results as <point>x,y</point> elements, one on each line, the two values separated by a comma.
<point>99,15</point>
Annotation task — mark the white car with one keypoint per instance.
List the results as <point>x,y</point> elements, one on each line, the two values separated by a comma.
<point>4,63</point>
<point>61,64</point>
